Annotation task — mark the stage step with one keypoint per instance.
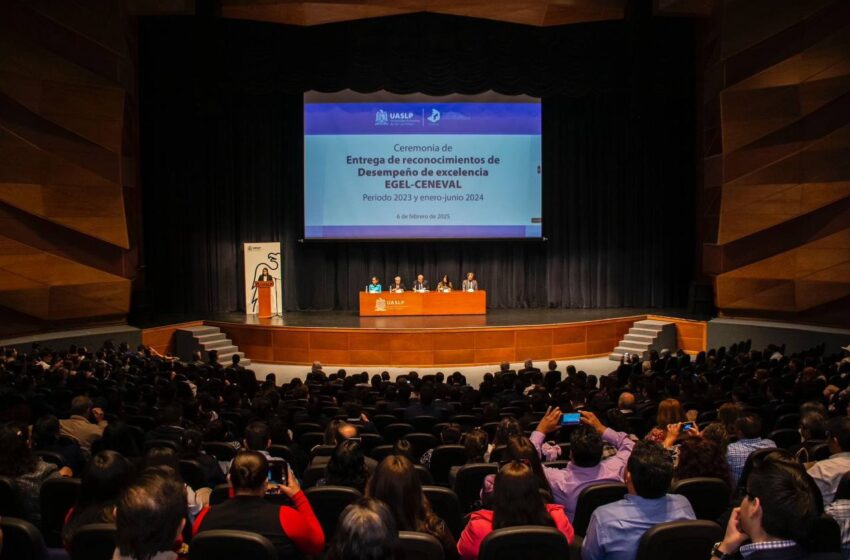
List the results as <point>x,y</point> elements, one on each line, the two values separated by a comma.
<point>206,339</point>
<point>644,336</point>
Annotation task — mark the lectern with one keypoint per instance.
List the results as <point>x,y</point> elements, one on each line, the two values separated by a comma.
<point>264,298</point>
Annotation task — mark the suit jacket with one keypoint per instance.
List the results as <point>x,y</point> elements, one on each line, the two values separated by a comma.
<point>418,286</point>
<point>793,553</point>
<point>265,278</point>
<point>470,283</point>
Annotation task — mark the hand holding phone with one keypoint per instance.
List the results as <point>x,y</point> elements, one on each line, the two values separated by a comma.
<point>570,419</point>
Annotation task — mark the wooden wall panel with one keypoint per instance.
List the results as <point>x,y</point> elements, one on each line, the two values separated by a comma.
<point>783,100</point>
<point>162,338</point>
<point>67,159</point>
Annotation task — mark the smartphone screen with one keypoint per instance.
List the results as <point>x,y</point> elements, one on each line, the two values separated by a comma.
<point>278,472</point>
<point>687,426</point>
<point>570,419</point>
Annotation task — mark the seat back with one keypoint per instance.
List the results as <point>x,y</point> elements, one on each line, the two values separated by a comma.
<point>529,542</point>
<point>425,477</point>
<point>193,473</point>
<point>421,442</point>
<point>21,540</point>
<point>219,494</point>
<point>380,452</point>
<point>394,432</point>
<point>709,497</point>
<point>226,545</point>
<point>94,542</point>
<point>420,546</point>
<point>154,443</point>
<point>51,457</point>
<point>322,450</point>
<point>443,458</point>
<point>446,505</point>
<point>57,496</point>
<point>10,503</point>
<point>680,539</point>
<point>787,422</point>
<point>593,496</point>
<point>284,453</point>
<point>310,440</point>
<point>369,442</point>
<point>220,450</point>
<point>785,438</point>
<point>469,480</point>
<point>424,423</point>
<point>825,535</point>
<point>328,502</point>
<point>312,474</point>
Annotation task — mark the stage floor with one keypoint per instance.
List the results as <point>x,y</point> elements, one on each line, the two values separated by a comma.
<point>494,318</point>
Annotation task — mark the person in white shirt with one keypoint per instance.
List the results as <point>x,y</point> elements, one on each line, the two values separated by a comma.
<point>827,473</point>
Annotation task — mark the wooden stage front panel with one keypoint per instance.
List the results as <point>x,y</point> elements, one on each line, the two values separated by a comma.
<point>421,347</point>
<point>428,303</point>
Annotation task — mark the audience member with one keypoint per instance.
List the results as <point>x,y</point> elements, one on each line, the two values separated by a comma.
<point>827,473</point>
<point>104,479</point>
<point>586,465</point>
<point>346,467</point>
<point>366,531</point>
<point>520,448</point>
<point>46,437</point>
<point>669,412</point>
<point>615,529</point>
<point>748,428</point>
<point>86,423</point>
<point>150,517</point>
<point>294,531</point>
<point>839,510</point>
<point>191,443</point>
<point>449,435</point>
<point>702,457</point>
<point>396,483</point>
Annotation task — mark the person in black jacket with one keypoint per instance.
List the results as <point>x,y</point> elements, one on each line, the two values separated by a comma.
<point>778,512</point>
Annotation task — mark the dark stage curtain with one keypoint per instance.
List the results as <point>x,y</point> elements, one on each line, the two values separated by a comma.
<point>221,125</point>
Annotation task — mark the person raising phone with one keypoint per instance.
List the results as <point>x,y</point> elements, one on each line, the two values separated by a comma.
<point>294,532</point>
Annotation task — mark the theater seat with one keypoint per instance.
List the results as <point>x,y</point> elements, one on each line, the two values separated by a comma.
<point>469,480</point>
<point>425,477</point>
<point>446,505</point>
<point>219,494</point>
<point>443,458</point>
<point>220,450</point>
<point>21,540</point>
<point>57,496</point>
<point>10,504</point>
<point>227,545</point>
<point>312,474</point>
<point>593,496</point>
<point>154,443</point>
<point>394,432</point>
<point>420,546</point>
<point>529,542</point>
<point>193,474</point>
<point>421,442</point>
<point>825,535</point>
<point>380,452</point>
<point>424,423</point>
<point>786,438</point>
<point>709,497</point>
<point>51,457</point>
<point>680,539</point>
<point>328,502</point>
<point>94,542</point>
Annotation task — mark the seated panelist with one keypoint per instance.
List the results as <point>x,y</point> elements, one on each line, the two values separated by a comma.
<point>397,285</point>
<point>444,285</point>
<point>375,286</point>
<point>470,284</point>
<point>421,285</point>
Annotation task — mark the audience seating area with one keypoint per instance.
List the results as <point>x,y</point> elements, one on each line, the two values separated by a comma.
<point>144,406</point>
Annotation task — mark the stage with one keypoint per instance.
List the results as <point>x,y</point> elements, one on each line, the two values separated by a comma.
<point>344,338</point>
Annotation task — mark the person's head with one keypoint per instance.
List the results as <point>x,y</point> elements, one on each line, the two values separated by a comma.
<point>347,466</point>
<point>517,499</point>
<point>265,271</point>
<point>528,364</point>
<point>426,394</point>
<point>839,434</point>
<point>508,427</point>
<point>728,414</point>
<point>475,445</point>
<point>626,401</point>
<point>717,433</point>
<point>397,279</point>
<point>445,278</point>
<point>748,426</point>
<point>80,406</point>
<point>702,457</point>
<point>813,426</point>
<point>191,442</point>
<point>46,430</point>
<point>470,276</point>
<point>553,365</point>
<point>403,447</point>
<point>104,478</point>
<point>520,448</point>
<point>669,412</point>
<point>16,457</point>
<point>396,482</point>
<point>257,436</point>
<point>420,278</point>
<point>779,503</point>
<point>649,471</point>
<point>366,530</point>
<point>150,515</point>
<point>585,446</point>
<point>450,434</point>
<point>504,366</point>
<point>375,280</point>
<point>249,473</point>
<point>118,436</point>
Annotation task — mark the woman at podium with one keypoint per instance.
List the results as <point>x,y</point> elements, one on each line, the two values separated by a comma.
<point>444,285</point>
<point>375,286</point>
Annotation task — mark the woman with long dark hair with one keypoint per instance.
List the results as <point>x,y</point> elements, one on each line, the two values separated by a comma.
<point>397,484</point>
<point>519,448</point>
<point>105,477</point>
<point>346,467</point>
<point>516,501</point>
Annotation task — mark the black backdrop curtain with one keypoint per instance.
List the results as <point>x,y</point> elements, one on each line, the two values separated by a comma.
<point>221,134</point>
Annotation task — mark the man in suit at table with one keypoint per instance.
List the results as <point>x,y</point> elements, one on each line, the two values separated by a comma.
<point>421,285</point>
<point>397,285</point>
<point>470,284</point>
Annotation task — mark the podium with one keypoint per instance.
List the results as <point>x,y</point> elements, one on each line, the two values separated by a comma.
<point>264,298</point>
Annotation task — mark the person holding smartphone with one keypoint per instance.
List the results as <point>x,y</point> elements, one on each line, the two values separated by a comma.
<point>294,531</point>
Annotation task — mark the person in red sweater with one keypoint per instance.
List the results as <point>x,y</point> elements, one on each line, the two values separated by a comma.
<point>516,501</point>
<point>295,532</point>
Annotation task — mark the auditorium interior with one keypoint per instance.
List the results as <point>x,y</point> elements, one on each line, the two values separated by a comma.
<point>167,304</point>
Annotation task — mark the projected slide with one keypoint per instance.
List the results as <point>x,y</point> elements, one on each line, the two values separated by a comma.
<point>383,166</point>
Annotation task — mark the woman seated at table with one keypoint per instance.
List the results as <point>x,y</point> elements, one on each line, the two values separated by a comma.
<point>375,286</point>
<point>444,285</point>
